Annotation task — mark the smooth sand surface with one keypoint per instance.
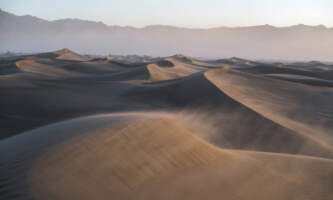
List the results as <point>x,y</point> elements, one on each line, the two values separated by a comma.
<point>178,128</point>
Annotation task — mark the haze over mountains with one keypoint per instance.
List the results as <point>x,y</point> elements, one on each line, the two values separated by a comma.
<point>299,42</point>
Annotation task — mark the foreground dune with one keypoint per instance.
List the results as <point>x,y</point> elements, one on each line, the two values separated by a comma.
<point>175,128</point>
<point>150,156</point>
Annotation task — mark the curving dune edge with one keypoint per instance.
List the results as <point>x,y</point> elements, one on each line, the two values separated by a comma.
<point>175,128</point>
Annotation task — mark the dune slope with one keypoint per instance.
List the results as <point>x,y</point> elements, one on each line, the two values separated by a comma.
<point>79,127</point>
<point>142,156</point>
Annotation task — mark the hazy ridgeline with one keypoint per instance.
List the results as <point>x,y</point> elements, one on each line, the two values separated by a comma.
<point>31,34</point>
<point>77,125</point>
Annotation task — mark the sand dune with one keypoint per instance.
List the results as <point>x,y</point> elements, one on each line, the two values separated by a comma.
<point>30,65</point>
<point>140,156</point>
<point>309,71</point>
<point>297,107</point>
<point>215,116</point>
<point>73,127</point>
<point>303,79</point>
<point>66,54</point>
<point>175,67</point>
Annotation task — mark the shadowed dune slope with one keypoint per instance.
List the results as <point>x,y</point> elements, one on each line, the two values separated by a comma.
<point>320,77</point>
<point>65,63</point>
<point>222,120</point>
<point>72,127</point>
<point>148,156</point>
<point>187,89</point>
<point>304,109</point>
<point>62,63</point>
<point>302,79</point>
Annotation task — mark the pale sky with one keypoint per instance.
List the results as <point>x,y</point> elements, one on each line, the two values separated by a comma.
<point>184,13</point>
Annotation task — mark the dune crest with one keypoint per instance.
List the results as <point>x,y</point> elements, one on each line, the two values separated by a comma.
<point>177,127</point>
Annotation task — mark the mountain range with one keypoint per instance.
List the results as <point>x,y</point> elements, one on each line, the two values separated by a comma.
<point>32,34</point>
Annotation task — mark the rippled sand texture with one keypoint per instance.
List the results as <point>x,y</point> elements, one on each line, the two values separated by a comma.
<point>72,127</point>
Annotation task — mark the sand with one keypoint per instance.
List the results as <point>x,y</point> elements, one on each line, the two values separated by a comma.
<point>178,128</point>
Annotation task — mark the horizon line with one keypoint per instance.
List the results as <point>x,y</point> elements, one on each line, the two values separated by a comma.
<point>169,25</point>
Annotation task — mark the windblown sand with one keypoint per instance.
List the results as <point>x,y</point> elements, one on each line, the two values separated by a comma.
<point>177,128</point>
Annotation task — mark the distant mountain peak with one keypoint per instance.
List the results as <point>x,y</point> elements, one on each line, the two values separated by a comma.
<point>160,27</point>
<point>320,26</point>
<point>2,12</point>
<point>267,26</point>
<point>299,42</point>
<point>75,21</point>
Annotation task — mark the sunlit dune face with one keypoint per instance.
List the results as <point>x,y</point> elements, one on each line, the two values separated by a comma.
<point>125,156</point>
<point>177,127</point>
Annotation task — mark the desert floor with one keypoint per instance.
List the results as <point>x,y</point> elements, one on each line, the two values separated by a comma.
<point>73,127</point>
